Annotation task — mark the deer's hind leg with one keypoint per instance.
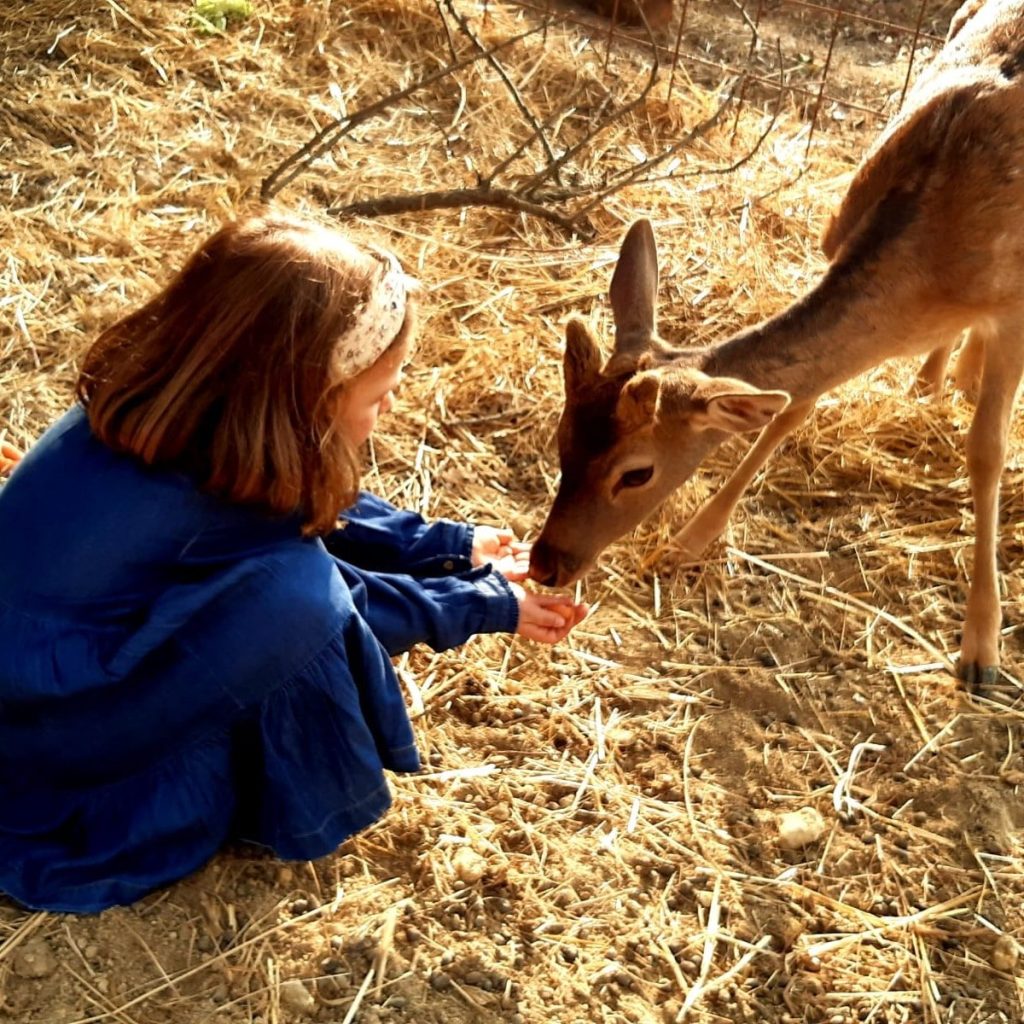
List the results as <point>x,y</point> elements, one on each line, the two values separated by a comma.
<point>970,362</point>
<point>1002,349</point>
<point>931,378</point>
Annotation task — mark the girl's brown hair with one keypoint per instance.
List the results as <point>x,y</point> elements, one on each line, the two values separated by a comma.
<point>226,373</point>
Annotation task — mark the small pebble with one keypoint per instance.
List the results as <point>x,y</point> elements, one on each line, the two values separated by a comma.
<point>1005,953</point>
<point>469,866</point>
<point>295,996</point>
<point>620,737</point>
<point>33,960</point>
<point>800,828</point>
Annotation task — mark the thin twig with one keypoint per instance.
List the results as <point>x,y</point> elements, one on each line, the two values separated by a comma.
<point>639,172</point>
<point>503,75</point>
<point>552,169</point>
<point>447,30</point>
<point>824,73</point>
<point>507,162</point>
<point>736,165</point>
<point>325,139</point>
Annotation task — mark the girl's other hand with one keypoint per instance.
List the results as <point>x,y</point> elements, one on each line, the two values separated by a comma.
<point>509,556</point>
<point>547,618</point>
<point>10,457</point>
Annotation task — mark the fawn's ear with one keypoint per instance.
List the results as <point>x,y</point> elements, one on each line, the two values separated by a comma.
<point>634,292</point>
<point>638,400</point>
<point>582,361</point>
<point>724,403</point>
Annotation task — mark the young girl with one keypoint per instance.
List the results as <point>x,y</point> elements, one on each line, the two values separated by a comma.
<point>193,648</point>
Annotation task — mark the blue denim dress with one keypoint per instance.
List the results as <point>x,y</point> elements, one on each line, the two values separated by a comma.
<point>177,671</point>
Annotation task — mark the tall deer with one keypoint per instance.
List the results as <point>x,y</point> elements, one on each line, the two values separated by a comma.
<point>928,243</point>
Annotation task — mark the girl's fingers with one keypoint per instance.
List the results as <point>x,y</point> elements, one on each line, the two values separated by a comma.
<point>548,618</point>
<point>512,568</point>
<point>9,456</point>
<point>545,635</point>
<point>561,601</point>
<point>551,634</point>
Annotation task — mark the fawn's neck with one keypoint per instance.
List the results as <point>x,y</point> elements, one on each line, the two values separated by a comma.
<point>872,303</point>
<point>834,332</point>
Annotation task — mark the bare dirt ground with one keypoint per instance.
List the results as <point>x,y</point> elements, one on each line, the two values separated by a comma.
<point>595,836</point>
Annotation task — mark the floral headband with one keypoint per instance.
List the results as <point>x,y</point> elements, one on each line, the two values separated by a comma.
<point>377,321</point>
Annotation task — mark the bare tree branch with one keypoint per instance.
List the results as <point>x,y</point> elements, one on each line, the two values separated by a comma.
<point>447,30</point>
<point>325,139</point>
<point>542,194</point>
<point>481,195</point>
<point>644,168</point>
<point>503,165</point>
<point>749,155</point>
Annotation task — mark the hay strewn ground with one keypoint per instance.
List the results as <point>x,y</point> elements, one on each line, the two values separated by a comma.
<point>621,791</point>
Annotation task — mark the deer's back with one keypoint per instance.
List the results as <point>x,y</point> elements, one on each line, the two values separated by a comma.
<point>953,159</point>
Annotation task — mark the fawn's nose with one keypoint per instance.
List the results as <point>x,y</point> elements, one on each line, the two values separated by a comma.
<point>550,567</point>
<point>543,563</point>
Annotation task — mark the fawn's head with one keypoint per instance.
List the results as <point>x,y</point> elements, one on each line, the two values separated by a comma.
<point>634,427</point>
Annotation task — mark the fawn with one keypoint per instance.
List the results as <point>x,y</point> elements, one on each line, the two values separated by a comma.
<point>926,244</point>
<point>657,13</point>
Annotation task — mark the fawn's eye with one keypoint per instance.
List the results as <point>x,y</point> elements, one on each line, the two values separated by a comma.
<point>636,477</point>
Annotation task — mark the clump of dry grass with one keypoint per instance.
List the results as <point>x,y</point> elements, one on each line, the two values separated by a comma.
<point>621,791</point>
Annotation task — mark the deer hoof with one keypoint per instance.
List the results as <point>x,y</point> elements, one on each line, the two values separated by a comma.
<point>979,676</point>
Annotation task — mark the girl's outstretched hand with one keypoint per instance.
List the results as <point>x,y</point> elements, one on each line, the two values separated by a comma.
<point>547,617</point>
<point>509,556</point>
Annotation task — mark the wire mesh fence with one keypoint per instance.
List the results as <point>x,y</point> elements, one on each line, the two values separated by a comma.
<point>853,58</point>
<point>846,53</point>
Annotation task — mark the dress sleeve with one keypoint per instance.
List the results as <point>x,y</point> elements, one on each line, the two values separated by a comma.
<point>441,611</point>
<point>377,536</point>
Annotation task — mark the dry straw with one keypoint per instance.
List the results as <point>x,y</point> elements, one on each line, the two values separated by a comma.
<point>622,789</point>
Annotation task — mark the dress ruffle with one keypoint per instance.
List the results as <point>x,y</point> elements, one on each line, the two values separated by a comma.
<point>299,774</point>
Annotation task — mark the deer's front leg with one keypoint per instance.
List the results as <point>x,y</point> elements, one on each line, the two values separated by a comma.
<point>712,517</point>
<point>986,454</point>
